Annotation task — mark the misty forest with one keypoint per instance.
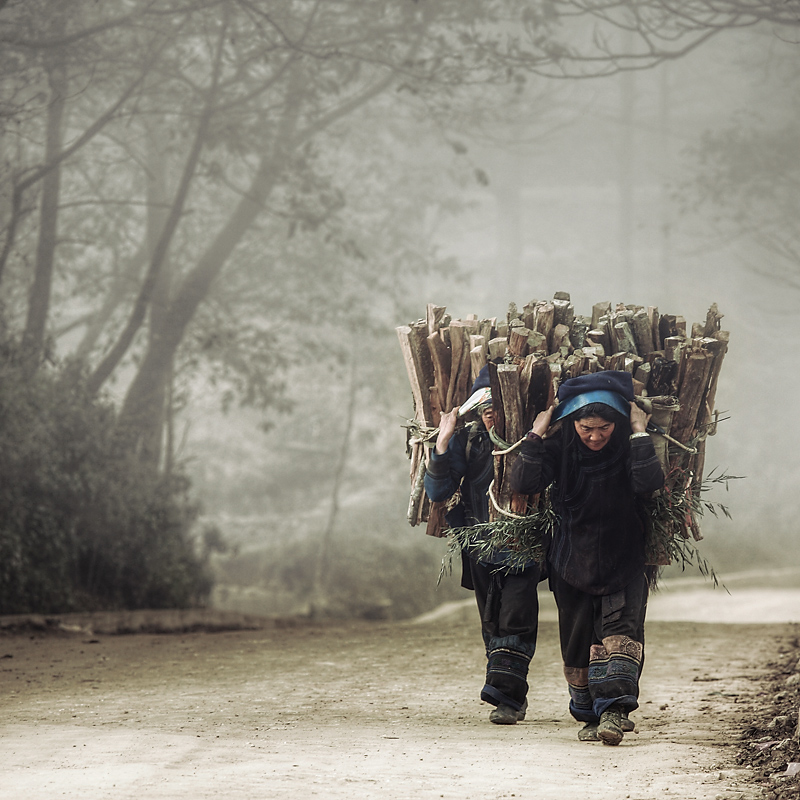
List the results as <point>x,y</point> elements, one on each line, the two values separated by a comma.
<point>215,213</point>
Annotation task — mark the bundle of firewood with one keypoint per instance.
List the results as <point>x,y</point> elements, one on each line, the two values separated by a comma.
<point>675,373</point>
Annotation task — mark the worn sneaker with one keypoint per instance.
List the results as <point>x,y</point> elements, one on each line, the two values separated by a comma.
<point>588,733</point>
<point>609,731</point>
<point>521,713</point>
<point>505,715</point>
<point>627,725</point>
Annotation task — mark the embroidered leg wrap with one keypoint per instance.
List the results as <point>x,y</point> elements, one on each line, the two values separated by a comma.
<point>506,676</point>
<point>614,668</point>
<point>580,700</point>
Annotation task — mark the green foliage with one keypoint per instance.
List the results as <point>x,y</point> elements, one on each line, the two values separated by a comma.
<point>675,511</point>
<point>83,526</point>
<point>670,514</point>
<point>519,539</point>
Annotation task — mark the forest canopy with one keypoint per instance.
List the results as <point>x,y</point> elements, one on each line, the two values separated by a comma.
<point>206,192</point>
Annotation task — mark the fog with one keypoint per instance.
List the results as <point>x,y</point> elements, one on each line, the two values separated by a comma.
<point>586,193</point>
<point>604,222</point>
<point>225,227</point>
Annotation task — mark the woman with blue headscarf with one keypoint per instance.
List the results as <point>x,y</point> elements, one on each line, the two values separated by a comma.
<point>600,462</point>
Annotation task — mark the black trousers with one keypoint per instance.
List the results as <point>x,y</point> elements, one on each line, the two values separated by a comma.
<point>602,639</point>
<point>509,610</point>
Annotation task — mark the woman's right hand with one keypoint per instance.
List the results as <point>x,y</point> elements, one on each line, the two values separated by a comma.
<point>542,421</point>
<point>447,427</point>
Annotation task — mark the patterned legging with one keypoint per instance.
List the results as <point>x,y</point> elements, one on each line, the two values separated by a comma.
<point>602,645</point>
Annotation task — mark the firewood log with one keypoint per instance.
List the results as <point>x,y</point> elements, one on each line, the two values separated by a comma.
<point>599,310</point>
<point>616,361</point>
<point>459,363</point>
<point>434,315</point>
<point>599,337</point>
<point>518,341</point>
<point>713,318</point>
<point>543,319</point>
<point>663,373</point>
<point>486,328</point>
<point>560,338</point>
<point>672,348</point>
<point>643,333</point>
<point>497,401</point>
<point>508,376</point>
<point>563,310</point>
<point>691,392</point>
<point>436,522</point>
<point>666,327</point>
<point>539,392</point>
<point>537,343</point>
<point>624,338</point>
<point>440,357</point>
<point>652,315</point>
<point>497,347</point>
<point>642,373</point>
<point>718,347</point>
<point>578,331</point>
<point>419,368</point>
<point>477,361</point>
<point>528,314</point>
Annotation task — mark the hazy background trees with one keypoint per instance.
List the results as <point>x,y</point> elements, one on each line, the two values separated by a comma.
<point>214,214</point>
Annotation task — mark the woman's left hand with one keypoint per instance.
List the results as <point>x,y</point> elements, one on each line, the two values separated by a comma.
<point>639,419</point>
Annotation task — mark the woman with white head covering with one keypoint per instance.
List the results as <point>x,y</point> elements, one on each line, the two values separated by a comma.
<point>507,599</point>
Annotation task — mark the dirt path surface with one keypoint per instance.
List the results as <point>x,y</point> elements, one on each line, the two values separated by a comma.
<point>372,709</point>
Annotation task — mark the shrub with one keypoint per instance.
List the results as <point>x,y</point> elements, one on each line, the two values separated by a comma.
<point>84,525</point>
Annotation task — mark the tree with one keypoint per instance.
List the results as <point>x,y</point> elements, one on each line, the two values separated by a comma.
<point>659,30</point>
<point>47,60</point>
<point>238,104</point>
<point>178,138</point>
<point>744,178</point>
<point>749,181</point>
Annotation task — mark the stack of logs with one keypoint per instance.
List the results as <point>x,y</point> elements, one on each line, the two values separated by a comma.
<point>533,350</point>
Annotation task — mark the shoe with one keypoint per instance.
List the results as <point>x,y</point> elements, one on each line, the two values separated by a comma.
<point>627,725</point>
<point>609,730</point>
<point>505,715</point>
<point>588,733</point>
<point>521,713</point>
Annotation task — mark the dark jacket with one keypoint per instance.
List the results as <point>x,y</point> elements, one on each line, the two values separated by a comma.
<point>467,465</point>
<point>599,544</point>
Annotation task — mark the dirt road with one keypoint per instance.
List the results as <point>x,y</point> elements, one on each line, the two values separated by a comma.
<point>364,710</point>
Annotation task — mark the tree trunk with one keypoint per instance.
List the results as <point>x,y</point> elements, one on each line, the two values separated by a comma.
<point>152,443</point>
<point>144,391</point>
<point>159,256</point>
<point>43,170</point>
<point>118,293</point>
<point>319,587</point>
<point>39,298</point>
<point>155,367</point>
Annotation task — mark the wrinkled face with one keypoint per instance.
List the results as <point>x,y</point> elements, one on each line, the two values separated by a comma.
<point>594,432</point>
<point>487,415</point>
